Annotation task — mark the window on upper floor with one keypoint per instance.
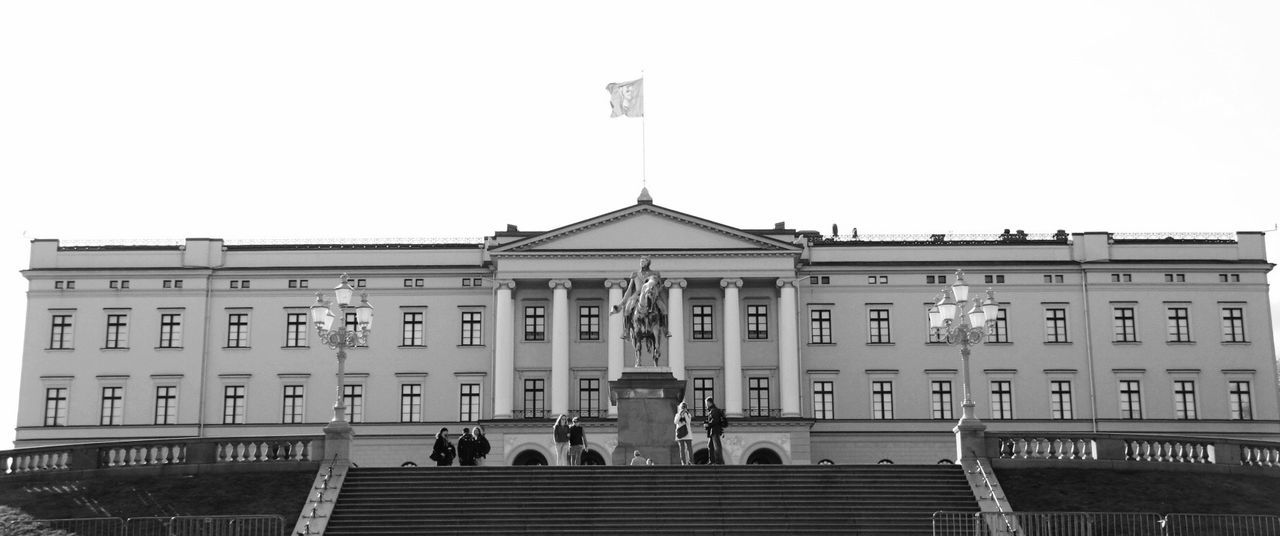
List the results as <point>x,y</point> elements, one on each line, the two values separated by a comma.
<point>588,322</point>
<point>410,402</point>
<point>535,323</point>
<point>413,329</point>
<point>55,406</point>
<point>824,400</point>
<point>62,332</point>
<point>1233,324</point>
<point>757,321</point>
<point>1238,393</point>
<point>1130,399</point>
<point>703,322</point>
<point>1179,324</point>
<point>112,410</point>
<point>1055,325</point>
<point>878,326</point>
<point>1001,399</point>
<point>1124,324</point>
<point>940,400</point>
<point>294,407</point>
<point>295,333</point>
<point>820,326</point>
<point>881,400</point>
<point>166,404</point>
<point>1060,400</point>
<point>170,330</point>
<point>471,329</point>
<point>238,330</point>
<point>117,331</point>
<point>1184,400</point>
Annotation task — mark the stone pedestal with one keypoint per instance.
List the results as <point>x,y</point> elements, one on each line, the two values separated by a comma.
<point>647,398</point>
<point>337,442</point>
<point>971,441</point>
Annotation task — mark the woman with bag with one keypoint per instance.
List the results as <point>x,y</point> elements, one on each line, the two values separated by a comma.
<point>560,436</point>
<point>684,439</point>
<point>443,452</point>
<point>483,443</point>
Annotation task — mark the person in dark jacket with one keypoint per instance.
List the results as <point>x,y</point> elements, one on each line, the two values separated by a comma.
<point>560,436</point>
<point>443,452</point>
<point>714,425</point>
<point>577,442</point>
<point>483,442</point>
<point>468,448</point>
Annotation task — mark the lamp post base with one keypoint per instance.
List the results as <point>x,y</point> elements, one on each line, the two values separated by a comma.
<point>338,436</point>
<point>971,440</point>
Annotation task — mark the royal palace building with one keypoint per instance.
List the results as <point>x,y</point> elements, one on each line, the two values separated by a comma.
<point>818,347</point>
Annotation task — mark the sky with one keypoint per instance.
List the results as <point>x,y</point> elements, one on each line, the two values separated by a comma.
<point>131,120</point>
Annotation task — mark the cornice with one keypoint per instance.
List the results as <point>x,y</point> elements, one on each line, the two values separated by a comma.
<point>550,236</point>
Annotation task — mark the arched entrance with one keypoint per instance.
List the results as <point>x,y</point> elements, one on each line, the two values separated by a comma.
<point>764,457</point>
<point>530,457</point>
<point>592,457</point>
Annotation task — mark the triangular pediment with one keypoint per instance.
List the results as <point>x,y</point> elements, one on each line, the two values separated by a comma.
<point>645,227</point>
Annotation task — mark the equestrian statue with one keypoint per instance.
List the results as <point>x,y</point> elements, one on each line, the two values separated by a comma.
<point>644,312</point>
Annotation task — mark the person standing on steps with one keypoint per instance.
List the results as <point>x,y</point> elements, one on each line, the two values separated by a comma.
<point>483,443</point>
<point>715,424</point>
<point>442,452</point>
<point>684,434</point>
<point>560,435</point>
<point>637,459</point>
<point>577,442</point>
<point>468,448</point>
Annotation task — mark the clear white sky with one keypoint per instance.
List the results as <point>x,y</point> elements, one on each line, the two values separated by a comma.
<point>250,119</point>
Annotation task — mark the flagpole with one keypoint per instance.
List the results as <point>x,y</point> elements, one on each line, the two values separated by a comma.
<point>644,154</point>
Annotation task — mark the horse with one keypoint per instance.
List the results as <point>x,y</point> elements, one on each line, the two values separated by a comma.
<point>647,321</point>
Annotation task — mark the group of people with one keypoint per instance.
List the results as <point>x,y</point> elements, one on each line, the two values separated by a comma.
<point>570,439</point>
<point>471,450</point>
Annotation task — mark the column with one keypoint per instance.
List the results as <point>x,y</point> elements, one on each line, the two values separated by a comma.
<point>675,326</point>
<point>504,350</point>
<point>788,349</point>
<point>614,336</point>
<point>560,346</point>
<point>732,348</point>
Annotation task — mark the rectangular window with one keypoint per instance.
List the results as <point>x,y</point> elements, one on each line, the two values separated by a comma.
<point>589,397</point>
<point>535,323</point>
<point>757,322</point>
<point>702,323</point>
<point>758,397</point>
<point>824,399</point>
<point>412,331</point>
<point>1130,399</point>
<point>1053,278</point>
<point>940,399</point>
<point>878,326</point>
<point>535,398</point>
<point>112,406</point>
<point>1060,400</point>
<point>171,330</point>
<point>117,331</point>
<point>353,398</point>
<point>233,404</point>
<point>1241,401</point>
<point>881,400</point>
<point>1184,400</point>
<point>589,322</point>
<point>1179,325</point>
<point>703,388</point>
<point>470,328</point>
<point>1124,326</point>
<point>1001,399</point>
<point>934,335</point>
<point>293,410</point>
<point>1055,325</point>
<point>238,330</point>
<point>993,279</point>
<point>411,402</point>
<point>469,402</point>
<point>1000,328</point>
<point>166,404</point>
<point>61,337</point>
<point>1233,324</point>
<point>351,321</point>
<point>55,406</point>
<point>295,331</point>
<point>820,326</point>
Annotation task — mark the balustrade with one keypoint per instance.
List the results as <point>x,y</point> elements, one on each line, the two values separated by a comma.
<point>158,452</point>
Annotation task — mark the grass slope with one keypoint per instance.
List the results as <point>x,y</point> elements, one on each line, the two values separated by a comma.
<point>1161,492</point>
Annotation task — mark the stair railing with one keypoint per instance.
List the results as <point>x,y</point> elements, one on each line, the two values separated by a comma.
<point>995,497</point>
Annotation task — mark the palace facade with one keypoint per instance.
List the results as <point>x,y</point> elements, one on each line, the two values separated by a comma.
<point>817,346</point>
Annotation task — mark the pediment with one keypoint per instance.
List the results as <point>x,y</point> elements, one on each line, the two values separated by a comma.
<point>645,227</point>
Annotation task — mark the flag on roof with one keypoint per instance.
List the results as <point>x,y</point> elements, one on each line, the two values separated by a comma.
<point>627,98</point>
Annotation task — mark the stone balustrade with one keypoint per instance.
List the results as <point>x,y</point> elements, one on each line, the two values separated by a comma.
<point>161,452</point>
<point>1132,448</point>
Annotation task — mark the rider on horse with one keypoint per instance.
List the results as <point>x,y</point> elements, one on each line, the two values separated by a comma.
<point>631,296</point>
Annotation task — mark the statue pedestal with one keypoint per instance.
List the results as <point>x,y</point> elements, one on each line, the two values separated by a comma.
<point>647,398</point>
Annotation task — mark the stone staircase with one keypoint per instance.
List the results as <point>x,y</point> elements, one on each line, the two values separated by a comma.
<point>759,499</point>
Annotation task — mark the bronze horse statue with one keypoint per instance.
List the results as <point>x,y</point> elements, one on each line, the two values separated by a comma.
<point>646,320</point>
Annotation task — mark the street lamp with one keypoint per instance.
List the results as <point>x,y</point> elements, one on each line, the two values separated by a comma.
<point>337,334</point>
<point>949,319</point>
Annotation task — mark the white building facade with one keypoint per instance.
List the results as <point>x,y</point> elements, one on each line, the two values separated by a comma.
<point>817,346</point>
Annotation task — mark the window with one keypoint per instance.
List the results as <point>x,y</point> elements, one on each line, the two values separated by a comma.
<point>1179,325</point>
<point>820,326</point>
<point>166,404</point>
<point>758,397</point>
<point>1233,324</point>
<point>824,399</point>
<point>877,280</point>
<point>470,328</point>
<point>295,333</point>
<point>410,402</point>
<point>1228,278</point>
<point>702,323</point>
<point>935,279</point>
<point>171,330</point>
<point>1130,399</point>
<point>1000,328</point>
<point>878,326</point>
<point>1175,278</point>
<point>298,283</point>
<point>469,402</point>
<point>238,330</point>
<point>989,279</point>
<point>1001,399</point>
<point>112,406</point>
<point>293,410</point>
<point>1241,401</point>
<point>589,397</point>
<point>120,284</point>
<point>353,398</point>
<point>881,400</point>
<point>1184,400</point>
<point>934,336</point>
<point>757,322</point>
<point>351,320</point>
<point>1060,399</point>
<point>68,285</point>
<point>243,283</point>
<point>412,329</point>
<point>233,404</point>
<point>1053,278</point>
<point>55,406</point>
<point>466,281</point>
<point>535,323</point>
<point>534,398</point>
<point>1124,327</point>
<point>117,331</point>
<point>589,322</point>
<point>61,336</point>
<point>940,399</point>
<point>703,388</point>
<point>1055,325</point>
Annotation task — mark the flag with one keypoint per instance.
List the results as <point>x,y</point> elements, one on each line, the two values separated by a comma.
<point>627,98</point>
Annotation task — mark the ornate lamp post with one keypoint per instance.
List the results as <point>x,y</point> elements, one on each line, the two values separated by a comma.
<point>957,319</point>
<point>337,334</point>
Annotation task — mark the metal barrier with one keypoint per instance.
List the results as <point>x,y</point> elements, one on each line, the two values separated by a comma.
<point>263,525</point>
<point>1103,524</point>
<point>87,526</point>
<point>1221,525</point>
